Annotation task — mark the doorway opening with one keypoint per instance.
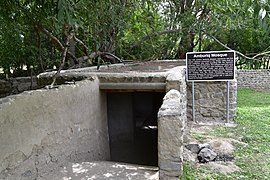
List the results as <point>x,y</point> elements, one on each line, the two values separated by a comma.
<point>132,122</point>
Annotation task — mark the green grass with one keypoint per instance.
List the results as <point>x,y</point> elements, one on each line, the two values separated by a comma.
<point>253,128</point>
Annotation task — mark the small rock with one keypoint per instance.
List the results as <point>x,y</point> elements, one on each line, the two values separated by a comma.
<point>205,145</point>
<point>194,148</point>
<point>206,155</point>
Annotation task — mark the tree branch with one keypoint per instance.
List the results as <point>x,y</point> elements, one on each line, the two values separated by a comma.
<point>112,55</point>
<point>153,35</point>
<point>80,42</point>
<point>225,46</point>
<point>56,41</point>
<point>211,36</point>
<point>65,52</point>
<point>96,54</point>
<point>261,54</point>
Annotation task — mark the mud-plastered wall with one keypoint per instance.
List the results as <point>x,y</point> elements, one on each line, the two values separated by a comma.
<point>42,130</point>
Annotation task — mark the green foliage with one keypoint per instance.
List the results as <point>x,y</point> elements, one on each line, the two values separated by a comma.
<point>242,26</point>
<point>130,29</point>
<point>144,21</point>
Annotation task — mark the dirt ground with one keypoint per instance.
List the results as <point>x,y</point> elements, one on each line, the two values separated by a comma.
<point>100,170</point>
<point>222,146</point>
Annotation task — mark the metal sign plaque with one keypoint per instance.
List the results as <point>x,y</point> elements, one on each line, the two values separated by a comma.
<point>210,66</point>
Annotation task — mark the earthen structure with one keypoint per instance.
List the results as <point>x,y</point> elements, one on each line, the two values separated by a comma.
<point>110,114</point>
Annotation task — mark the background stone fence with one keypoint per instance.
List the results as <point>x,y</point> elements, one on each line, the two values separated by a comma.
<point>257,79</point>
<point>17,85</point>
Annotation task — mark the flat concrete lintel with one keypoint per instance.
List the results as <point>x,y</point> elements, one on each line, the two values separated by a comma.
<point>132,86</point>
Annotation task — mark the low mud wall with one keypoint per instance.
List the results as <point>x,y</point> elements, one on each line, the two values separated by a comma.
<point>42,130</point>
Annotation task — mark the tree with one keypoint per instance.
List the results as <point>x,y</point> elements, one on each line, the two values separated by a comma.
<point>36,32</point>
<point>244,27</point>
<point>51,23</point>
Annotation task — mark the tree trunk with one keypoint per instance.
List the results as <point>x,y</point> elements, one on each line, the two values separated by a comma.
<point>72,44</point>
<point>186,45</point>
<point>187,40</point>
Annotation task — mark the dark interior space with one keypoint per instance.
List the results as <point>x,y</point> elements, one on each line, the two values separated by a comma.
<point>132,121</point>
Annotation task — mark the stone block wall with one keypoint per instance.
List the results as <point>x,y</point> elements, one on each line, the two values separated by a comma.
<point>17,85</point>
<point>210,97</point>
<point>256,79</point>
<point>211,101</point>
<point>172,120</point>
<point>171,124</point>
<point>42,130</point>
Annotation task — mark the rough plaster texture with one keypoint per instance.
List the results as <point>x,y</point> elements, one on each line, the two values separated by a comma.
<point>176,79</point>
<point>256,79</point>
<point>171,124</point>
<point>132,77</point>
<point>211,100</point>
<point>44,129</point>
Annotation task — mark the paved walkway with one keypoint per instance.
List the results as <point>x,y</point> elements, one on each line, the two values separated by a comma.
<point>104,170</point>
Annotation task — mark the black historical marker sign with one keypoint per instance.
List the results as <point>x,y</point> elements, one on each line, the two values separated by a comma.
<point>210,66</point>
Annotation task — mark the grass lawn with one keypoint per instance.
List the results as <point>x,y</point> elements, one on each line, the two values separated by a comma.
<point>253,128</point>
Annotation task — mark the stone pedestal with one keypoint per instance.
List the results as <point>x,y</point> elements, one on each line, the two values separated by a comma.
<point>171,122</point>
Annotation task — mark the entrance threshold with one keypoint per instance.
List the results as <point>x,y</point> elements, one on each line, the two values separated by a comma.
<point>100,170</point>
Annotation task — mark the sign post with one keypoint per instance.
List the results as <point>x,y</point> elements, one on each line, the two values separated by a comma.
<point>210,66</point>
<point>228,102</point>
<point>193,102</point>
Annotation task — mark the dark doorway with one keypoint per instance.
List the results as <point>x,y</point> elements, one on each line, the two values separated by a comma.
<point>132,120</point>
